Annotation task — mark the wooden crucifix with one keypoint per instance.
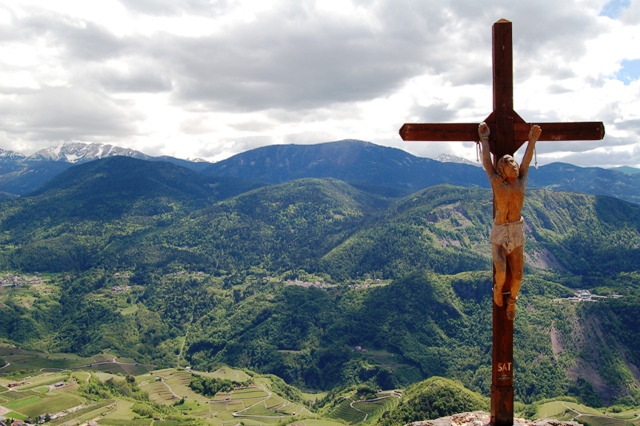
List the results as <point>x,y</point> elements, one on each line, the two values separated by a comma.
<point>507,133</point>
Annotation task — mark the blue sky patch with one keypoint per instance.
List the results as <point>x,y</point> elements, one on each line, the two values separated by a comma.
<point>613,9</point>
<point>630,71</point>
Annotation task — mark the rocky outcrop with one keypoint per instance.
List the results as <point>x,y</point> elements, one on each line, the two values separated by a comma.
<point>481,418</point>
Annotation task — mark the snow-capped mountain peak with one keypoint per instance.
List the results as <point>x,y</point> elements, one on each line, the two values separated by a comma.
<point>80,152</point>
<point>6,154</point>
<point>448,158</point>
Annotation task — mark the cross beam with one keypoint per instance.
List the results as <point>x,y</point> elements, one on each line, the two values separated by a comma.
<point>456,132</point>
<point>508,133</point>
<point>508,130</point>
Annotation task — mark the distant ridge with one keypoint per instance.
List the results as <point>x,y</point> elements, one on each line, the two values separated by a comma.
<point>368,164</point>
<point>626,169</point>
<point>383,170</point>
<point>349,160</point>
<point>448,158</point>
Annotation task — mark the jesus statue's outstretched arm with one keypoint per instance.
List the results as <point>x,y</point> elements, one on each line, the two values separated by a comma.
<point>483,132</point>
<point>534,135</point>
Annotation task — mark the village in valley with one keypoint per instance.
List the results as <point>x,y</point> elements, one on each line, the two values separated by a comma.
<point>11,280</point>
<point>587,296</point>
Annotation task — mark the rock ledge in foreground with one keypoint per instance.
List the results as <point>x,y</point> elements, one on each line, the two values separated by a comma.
<point>480,418</point>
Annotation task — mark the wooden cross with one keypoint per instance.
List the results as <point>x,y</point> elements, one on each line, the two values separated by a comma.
<point>508,133</point>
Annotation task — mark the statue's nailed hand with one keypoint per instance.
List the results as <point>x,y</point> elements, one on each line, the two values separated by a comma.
<point>534,133</point>
<point>483,131</point>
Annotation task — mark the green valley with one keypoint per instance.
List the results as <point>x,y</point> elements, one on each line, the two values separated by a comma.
<point>307,286</point>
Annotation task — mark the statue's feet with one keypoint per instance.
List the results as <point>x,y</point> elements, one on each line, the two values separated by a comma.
<point>511,308</point>
<point>498,298</point>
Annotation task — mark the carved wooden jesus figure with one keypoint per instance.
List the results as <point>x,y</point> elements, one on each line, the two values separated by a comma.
<point>508,181</point>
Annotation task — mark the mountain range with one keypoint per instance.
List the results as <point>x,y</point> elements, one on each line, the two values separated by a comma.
<point>364,164</point>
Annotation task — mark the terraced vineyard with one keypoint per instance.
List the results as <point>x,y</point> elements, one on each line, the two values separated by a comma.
<point>374,409</point>
<point>19,359</point>
<point>228,374</point>
<point>93,411</point>
<point>318,422</point>
<point>571,411</point>
<point>29,403</point>
<point>346,412</point>
<point>158,392</point>
<point>364,411</point>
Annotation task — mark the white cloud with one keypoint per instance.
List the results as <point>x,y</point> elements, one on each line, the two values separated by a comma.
<point>200,78</point>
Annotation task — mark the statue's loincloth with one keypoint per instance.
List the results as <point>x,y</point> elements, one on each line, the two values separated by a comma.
<point>509,235</point>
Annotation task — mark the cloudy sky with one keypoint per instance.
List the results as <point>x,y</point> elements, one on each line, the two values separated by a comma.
<point>212,78</point>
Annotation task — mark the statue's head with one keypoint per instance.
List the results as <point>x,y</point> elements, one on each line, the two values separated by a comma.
<point>508,167</point>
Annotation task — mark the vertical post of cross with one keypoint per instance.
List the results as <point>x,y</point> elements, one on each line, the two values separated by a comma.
<point>503,133</point>
<point>503,89</point>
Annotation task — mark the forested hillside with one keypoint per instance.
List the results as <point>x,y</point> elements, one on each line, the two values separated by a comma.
<point>319,282</point>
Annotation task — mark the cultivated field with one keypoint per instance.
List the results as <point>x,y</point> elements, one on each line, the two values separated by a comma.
<point>81,390</point>
<point>564,410</point>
